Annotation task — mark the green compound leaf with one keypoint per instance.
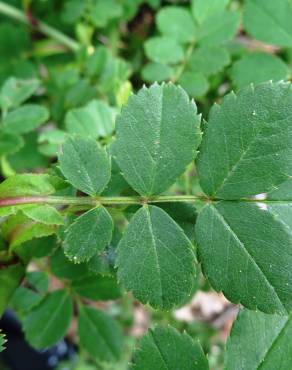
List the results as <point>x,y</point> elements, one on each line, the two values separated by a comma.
<point>163,49</point>
<point>269,21</point>
<point>164,348</point>
<point>10,278</point>
<point>48,322</point>
<point>16,91</point>
<point>94,120</point>
<point>155,259</point>
<point>88,235</point>
<point>100,335</point>
<point>177,23</point>
<point>158,132</point>
<point>85,164</point>
<point>247,144</point>
<point>246,70</point>
<point>260,341</point>
<point>245,250</point>
<point>10,143</point>
<point>27,184</point>
<point>25,119</point>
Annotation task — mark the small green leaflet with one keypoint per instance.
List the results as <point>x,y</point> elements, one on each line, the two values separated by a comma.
<point>156,139</point>
<point>260,341</point>
<point>39,280</point>
<point>164,49</point>
<point>9,143</point>
<point>94,120</point>
<point>85,164</point>
<point>155,259</point>
<point>25,119</point>
<point>269,21</point>
<point>16,91</point>
<point>88,235</point>
<point>100,335</point>
<point>10,278</point>
<point>164,348</point>
<point>195,84</point>
<point>246,71</point>
<point>48,322</point>
<point>2,342</point>
<point>246,252</point>
<point>208,60</point>
<point>27,184</point>
<point>44,214</point>
<point>247,143</point>
<point>177,23</point>
<point>157,72</point>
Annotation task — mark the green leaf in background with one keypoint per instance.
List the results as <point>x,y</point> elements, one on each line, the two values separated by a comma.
<point>269,21</point>
<point>157,72</point>
<point>259,341</point>
<point>246,70</point>
<point>39,280</point>
<point>10,278</point>
<point>48,322</point>
<point>18,229</point>
<point>103,11</point>
<point>219,28</point>
<point>164,348</point>
<point>204,9</point>
<point>245,250</point>
<point>155,259</point>
<point>96,119</point>
<point>85,164</point>
<point>155,140</point>
<point>195,84</point>
<point>163,49</point>
<point>16,91</point>
<point>177,23</point>
<point>247,144</point>
<point>2,342</point>
<point>44,214</point>
<point>100,335</point>
<point>25,119</point>
<point>88,235</point>
<point>97,287</point>
<point>27,184</point>
<point>64,268</point>
<point>24,299</point>
<point>10,143</point>
<point>209,60</point>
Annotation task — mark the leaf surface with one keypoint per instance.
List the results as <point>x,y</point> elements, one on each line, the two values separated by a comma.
<point>164,348</point>
<point>247,143</point>
<point>155,259</point>
<point>246,252</point>
<point>88,235</point>
<point>85,164</point>
<point>156,139</point>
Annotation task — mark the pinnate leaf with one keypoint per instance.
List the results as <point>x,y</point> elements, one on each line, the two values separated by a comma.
<point>247,144</point>
<point>164,348</point>
<point>88,235</point>
<point>85,164</point>
<point>100,335</point>
<point>155,259</point>
<point>156,138</point>
<point>48,322</point>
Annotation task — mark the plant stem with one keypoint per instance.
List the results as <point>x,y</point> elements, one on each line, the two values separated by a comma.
<point>89,201</point>
<point>14,13</point>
